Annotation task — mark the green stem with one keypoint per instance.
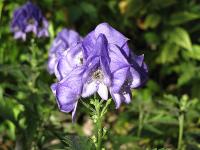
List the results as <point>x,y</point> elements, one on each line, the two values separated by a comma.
<point>140,126</point>
<point>99,133</point>
<point>99,123</point>
<point>1,8</point>
<point>180,136</point>
<point>98,114</point>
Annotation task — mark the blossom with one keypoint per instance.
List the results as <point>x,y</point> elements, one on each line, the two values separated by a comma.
<point>126,75</point>
<point>101,62</point>
<point>128,71</point>
<point>113,37</point>
<point>98,75</point>
<point>69,60</point>
<point>68,91</point>
<point>61,43</point>
<point>29,18</point>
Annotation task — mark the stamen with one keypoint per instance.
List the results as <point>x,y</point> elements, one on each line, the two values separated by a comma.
<point>97,75</point>
<point>31,21</point>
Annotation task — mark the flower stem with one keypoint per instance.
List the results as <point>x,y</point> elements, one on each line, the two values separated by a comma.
<point>180,137</point>
<point>98,123</point>
<point>99,112</point>
<point>140,126</point>
<point>99,133</point>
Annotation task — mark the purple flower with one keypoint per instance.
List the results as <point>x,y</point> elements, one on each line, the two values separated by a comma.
<point>69,60</point>
<point>125,75</point>
<point>28,18</point>
<point>102,62</point>
<point>113,37</point>
<point>68,91</point>
<point>65,39</point>
<point>98,76</point>
<point>128,71</point>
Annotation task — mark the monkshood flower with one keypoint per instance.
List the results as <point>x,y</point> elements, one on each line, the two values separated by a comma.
<point>125,75</point>
<point>29,18</point>
<point>60,46</point>
<point>69,60</point>
<point>97,77</point>
<point>128,71</point>
<point>68,91</point>
<point>102,62</point>
<point>113,37</point>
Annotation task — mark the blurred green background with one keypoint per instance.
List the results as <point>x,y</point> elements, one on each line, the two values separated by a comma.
<point>167,32</point>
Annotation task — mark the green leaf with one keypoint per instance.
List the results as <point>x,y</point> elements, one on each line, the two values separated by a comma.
<point>151,38</point>
<point>162,3</point>
<point>1,6</point>
<point>195,53</point>
<point>153,129</point>
<point>89,9</point>
<point>169,53</point>
<point>181,37</point>
<point>152,21</point>
<point>6,110</point>
<point>182,17</point>
<point>186,74</point>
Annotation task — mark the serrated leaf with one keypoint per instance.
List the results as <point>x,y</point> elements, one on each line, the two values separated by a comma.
<point>181,37</point>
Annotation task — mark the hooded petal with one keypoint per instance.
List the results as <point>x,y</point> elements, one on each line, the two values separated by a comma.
<point>53,88</point>
<point>63,68</point>
<point>73,37</point>
<point>139,74</point>
<point>74,79</point>
<point>139,60</point>
<point>19,35</point>
<point>70,37</point>
<point>118,98</point>
<point>43,33</point>
<point>127,98</point>
<point>103,91</point>
<point>118,60</point>
<point>74,112</point>
<point>31,28</point>
<point>113,36</point>
<point>119,77</point>
<point>135,77</point>
<point>68,90</point>
<point>52,63</point>
<point>75,55</point>
<point>66,98</point>
<point>101,48</point>
<point>89,89</point>
<point>88,44</point>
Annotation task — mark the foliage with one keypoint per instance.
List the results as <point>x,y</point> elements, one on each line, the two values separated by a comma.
<point>166,31</point>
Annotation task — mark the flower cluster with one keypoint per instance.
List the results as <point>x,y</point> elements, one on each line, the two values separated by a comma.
<point>101,62</point>
<point>62,42</point>
<point>29,18</point>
